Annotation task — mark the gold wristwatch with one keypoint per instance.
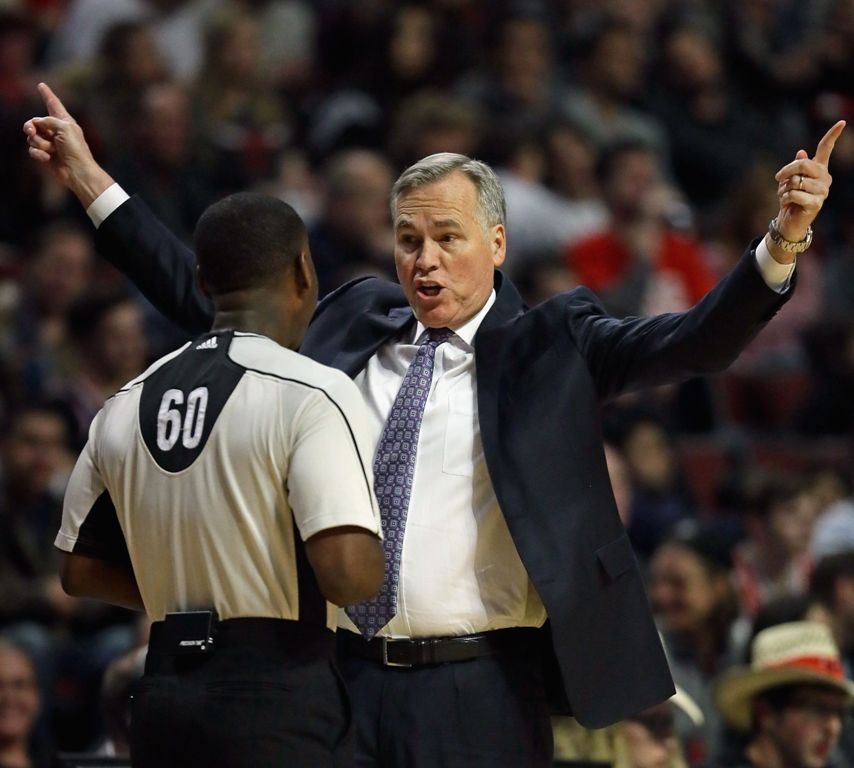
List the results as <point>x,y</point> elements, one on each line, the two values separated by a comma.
<point>790,246</point>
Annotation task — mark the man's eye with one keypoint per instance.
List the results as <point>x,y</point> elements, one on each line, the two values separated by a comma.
<point>448,238</point>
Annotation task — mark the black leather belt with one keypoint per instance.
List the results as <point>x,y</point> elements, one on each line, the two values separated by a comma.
<point>391,652</point>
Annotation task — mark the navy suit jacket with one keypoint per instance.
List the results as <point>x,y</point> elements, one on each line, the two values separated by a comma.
<point>541,375</point>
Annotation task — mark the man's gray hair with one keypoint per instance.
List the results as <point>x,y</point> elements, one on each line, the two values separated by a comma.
<point>492,209</point>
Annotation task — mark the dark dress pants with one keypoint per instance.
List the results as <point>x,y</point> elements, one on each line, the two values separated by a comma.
<point>241,707</point>
<point>489,712</point>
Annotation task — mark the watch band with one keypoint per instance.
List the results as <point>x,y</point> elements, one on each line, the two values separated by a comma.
<point>790,246</point>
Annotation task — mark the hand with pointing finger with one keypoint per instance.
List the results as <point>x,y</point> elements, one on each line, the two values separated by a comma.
<point>58,141</point>
<point>803,186</point>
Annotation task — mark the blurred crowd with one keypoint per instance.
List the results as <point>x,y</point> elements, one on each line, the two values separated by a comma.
<point>637,141</point>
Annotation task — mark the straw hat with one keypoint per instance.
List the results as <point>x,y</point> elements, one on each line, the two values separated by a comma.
<point>797,653</point>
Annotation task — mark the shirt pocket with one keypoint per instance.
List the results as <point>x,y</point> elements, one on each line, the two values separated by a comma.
<point>462,444</point>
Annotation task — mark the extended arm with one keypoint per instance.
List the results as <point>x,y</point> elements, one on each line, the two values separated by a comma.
<point>131,237</point>
<point>637,352</point>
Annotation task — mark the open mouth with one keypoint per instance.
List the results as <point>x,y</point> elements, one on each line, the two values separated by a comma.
<point>430,291</point>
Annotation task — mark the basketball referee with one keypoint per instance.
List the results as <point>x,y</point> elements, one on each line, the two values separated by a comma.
<point>226,492</point>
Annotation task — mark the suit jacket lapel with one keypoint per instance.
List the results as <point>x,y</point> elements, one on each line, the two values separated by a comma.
<point>368,332</point>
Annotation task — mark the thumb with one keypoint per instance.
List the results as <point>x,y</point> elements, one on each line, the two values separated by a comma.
<point>801,154</point>
<point>55,108</point>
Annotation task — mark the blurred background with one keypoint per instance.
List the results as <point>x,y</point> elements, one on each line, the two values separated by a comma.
<point>637,141</point>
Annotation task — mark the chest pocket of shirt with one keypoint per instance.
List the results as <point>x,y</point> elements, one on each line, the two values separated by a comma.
<point>462,435</point>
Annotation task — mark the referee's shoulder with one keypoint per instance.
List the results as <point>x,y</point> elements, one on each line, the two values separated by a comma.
<point>263,356</point>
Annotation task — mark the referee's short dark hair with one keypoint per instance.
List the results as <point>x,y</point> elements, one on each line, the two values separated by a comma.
<point>245,240</point>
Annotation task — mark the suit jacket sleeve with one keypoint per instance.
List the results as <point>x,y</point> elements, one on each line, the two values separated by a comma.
<point>137,243</point>
<point>637,352</point>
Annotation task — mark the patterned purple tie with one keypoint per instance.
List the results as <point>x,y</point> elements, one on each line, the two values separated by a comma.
<point>394,468</point>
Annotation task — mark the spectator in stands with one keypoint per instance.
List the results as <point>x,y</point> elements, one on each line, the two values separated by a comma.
<point>288,41</point>
<point>19,710</point>
<point>354,230</point>
<point>571,168</point>
<point>34,332</point>
<point>542,221</point>
<point>612,78</point>
<point>647,740</point>
<point>34,610</point>
<point>161,161</point>
<point>660,498</point>
<point>696,608</point>
<point>106,328</point>
<point>431,122</point>
<point>410,59</point>
<point>773,560</point>
<point>108,91</point>
<point>241,124</point>
<point>832,584</point>
<point>791,701</point>
<point>641,264</point>
<point>712,136</point>
<point>521,83</point>
<point>35,460</point>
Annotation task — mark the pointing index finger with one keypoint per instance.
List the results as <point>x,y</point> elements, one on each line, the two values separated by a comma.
<point>55,108</point>
<point>825,146</point>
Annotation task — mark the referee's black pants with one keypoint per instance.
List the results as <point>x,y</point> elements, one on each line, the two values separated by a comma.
<point>250,703</point>
<point>487,712</point>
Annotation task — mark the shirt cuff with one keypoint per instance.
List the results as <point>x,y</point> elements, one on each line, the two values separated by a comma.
<point>107,202</point>
<point>777,276</point>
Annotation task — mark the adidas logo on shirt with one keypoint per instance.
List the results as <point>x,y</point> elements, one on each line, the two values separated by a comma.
<point>208,343</point>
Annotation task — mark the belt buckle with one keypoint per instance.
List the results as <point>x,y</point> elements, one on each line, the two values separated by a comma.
<point>386,663</point>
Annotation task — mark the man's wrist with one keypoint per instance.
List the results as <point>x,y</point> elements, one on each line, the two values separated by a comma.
<point>107,202</point>
<point>777,275</point>
<point>88,185</point>
<point>780,255</point>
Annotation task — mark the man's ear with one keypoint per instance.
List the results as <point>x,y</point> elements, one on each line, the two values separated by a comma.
<point>201,282</point>
<point>498,241</point>
<point>303,272</point>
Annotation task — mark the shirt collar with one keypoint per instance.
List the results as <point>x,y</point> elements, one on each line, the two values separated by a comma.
<point>465,332</point>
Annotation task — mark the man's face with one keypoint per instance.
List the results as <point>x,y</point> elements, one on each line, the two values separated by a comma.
<point>444,255</point>
<point>19,696</point>
<point>119,343</point>
<point>34,451</point>
<point>631,182</point>
<point>807,728</point>
<point>682,592</point>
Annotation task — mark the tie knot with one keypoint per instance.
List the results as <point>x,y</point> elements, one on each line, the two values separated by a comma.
<point>439,335</point>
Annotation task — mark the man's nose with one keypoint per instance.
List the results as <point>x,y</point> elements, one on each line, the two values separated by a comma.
<point>428,255</point>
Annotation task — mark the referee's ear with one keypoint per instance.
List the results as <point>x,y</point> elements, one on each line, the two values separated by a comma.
<point>305,277</point>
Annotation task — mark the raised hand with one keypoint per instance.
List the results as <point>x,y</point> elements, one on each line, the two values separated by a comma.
<point>803,186</point>
<point>58,141</point>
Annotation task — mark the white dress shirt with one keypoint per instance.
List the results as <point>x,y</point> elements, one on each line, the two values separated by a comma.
<point>460,572</point>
